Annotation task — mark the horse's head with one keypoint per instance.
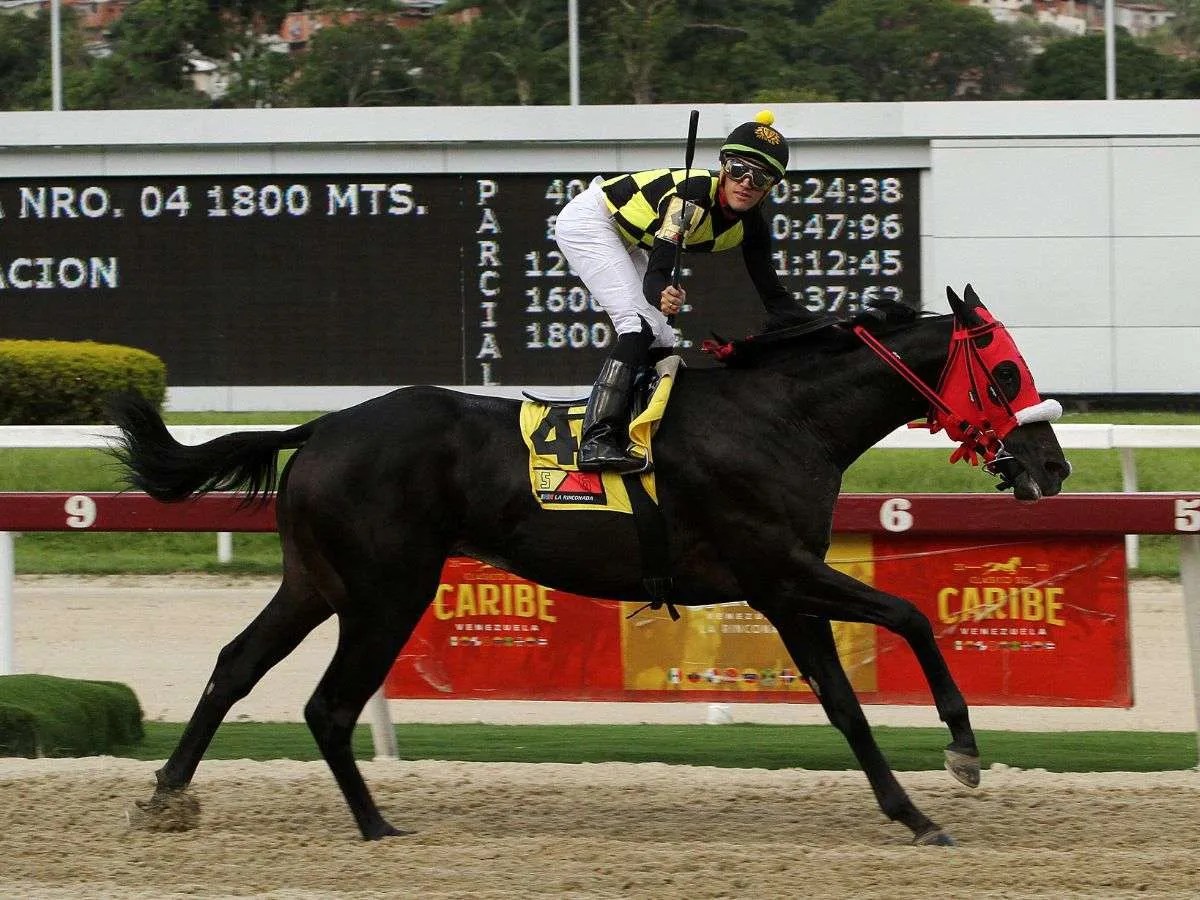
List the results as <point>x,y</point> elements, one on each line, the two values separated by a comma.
<point>992,394</point>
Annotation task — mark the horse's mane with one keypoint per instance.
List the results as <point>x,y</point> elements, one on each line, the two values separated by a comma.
<point>785,333</point>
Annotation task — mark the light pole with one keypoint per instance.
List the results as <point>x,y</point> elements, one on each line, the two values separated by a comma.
<point>1110,51</point>
<point>56,55</point>
<point>573,48</point>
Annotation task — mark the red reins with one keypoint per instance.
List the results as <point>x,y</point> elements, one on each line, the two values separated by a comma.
<point>962,418</point>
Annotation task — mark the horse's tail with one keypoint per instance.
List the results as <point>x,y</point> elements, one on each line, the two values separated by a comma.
<point>246,461</point>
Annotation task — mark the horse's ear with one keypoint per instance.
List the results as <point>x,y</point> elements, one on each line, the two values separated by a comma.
<point>966,309</point>
<point>971,306</point>
<point>956,305</point>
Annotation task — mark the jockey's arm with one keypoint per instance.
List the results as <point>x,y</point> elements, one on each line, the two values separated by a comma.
<point>658,272</point>
<point>677,218</point>
<point>756,253</point>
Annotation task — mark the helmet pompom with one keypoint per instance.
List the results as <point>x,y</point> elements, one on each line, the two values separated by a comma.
<point>765,117</point>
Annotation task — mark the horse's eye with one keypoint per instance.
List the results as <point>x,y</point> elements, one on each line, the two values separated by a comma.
<point>1008,376</point>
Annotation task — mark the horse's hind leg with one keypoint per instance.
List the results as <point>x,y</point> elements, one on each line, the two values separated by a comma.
<point>375,621</point>
<point>810,643</point>
<point>285,621</point>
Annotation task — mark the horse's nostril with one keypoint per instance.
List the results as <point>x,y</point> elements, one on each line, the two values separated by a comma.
<point>1059,468</point>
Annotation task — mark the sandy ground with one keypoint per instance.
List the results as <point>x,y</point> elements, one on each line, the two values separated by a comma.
<point>280,830</point>
<point>161,636</point>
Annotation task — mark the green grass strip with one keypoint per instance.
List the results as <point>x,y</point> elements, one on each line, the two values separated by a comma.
<point>817,747</point>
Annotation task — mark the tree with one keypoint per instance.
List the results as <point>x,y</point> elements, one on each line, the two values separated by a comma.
<point>363,63</point>
<point>730,51</point>
<point>1074,69</point>
<point>154,37</point>
<point>881,50</point>
<point>147,66</point>
<point>437,48</point>
<point>25,62</point>
<point>258,76</point>
<point>655,51</point>
<point>515,52</point>
<point>1189,79</point>
<point>627,49</point>
<point>232,22</point>
<point>115,83</point>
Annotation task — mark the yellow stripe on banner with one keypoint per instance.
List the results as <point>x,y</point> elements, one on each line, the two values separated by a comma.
<point>731,649</point>
<point>855,556</point>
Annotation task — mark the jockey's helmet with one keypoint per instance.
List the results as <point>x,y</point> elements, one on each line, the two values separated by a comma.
<point>759,140</point>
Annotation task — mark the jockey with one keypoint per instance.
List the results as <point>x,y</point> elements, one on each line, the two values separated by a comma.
<point>620,236</point>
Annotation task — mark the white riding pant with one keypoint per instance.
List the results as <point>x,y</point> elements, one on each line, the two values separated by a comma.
<point>611,269</point>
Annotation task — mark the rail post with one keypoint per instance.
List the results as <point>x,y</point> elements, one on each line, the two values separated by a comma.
<point>1129,484</point>
<point>383,732</point>
<point>7,570</point>
<point>1189,578</point>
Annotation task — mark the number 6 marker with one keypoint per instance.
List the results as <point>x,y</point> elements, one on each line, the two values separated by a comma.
<point>894,514</point>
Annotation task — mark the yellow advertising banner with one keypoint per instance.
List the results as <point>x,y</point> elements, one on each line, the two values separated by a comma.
<point>731,649</point>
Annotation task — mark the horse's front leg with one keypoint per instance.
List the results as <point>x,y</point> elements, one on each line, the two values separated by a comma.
<point>809,641</point>
<point>831,594</point>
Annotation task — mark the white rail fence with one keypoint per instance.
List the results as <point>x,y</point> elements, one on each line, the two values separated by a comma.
<point>1123,438</point>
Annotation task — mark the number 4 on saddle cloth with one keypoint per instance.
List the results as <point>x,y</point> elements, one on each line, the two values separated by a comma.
<point>552,429</point>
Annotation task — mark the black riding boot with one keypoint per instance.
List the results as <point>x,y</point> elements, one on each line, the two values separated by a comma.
<point>606,422</point>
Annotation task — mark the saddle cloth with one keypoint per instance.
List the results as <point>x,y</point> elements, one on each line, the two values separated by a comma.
<point>552,431</point>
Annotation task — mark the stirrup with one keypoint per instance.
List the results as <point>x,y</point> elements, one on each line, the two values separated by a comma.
<point>610,458</point>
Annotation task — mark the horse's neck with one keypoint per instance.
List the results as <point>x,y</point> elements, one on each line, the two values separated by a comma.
<point>866,400</point>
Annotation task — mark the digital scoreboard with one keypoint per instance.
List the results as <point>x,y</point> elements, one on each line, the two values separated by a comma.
<point>367,279</point>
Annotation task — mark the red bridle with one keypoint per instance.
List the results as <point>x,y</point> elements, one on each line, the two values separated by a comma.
<point>970,404</point>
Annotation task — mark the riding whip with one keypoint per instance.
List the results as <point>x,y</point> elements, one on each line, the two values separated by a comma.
<point>693,123</point>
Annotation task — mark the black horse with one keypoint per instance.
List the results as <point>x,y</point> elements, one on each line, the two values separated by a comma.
<point>749,462</point>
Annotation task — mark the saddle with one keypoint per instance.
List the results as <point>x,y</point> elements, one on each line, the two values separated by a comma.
<point>644,385</point>
<point>551,426</point>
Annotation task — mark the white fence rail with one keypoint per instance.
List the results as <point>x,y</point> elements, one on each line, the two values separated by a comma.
<point>1072,437</point>
<point>1123,438</point>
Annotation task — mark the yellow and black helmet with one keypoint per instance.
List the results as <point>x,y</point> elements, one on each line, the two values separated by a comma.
<point>761,141</point>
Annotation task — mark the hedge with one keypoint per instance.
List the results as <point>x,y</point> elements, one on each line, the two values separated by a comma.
<point>43,715</point>
<point>67,382</point>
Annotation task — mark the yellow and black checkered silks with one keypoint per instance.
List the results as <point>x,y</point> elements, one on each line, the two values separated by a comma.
<point>639,201</point>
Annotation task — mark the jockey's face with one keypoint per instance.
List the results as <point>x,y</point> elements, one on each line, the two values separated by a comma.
<point>744,183</point>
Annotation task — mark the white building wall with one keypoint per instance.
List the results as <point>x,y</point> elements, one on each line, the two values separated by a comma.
<point>1078,222</point>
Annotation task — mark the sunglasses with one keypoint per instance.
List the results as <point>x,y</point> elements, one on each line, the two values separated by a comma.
<point>740,170</point>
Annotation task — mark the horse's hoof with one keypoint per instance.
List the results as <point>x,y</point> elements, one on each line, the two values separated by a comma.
<point>170,811</point>
<point>963,766</point>
<point>934,838</point>
<point>384,830</point>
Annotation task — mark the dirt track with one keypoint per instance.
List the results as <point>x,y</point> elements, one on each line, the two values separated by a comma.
<point>504,830</point>
<point>281,830</point>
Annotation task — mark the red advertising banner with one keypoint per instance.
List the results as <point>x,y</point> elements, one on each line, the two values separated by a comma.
<point>1020,623</point>
<point>492,635</point>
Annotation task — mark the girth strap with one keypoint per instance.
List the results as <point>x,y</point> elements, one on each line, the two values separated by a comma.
<point>651,527</point>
